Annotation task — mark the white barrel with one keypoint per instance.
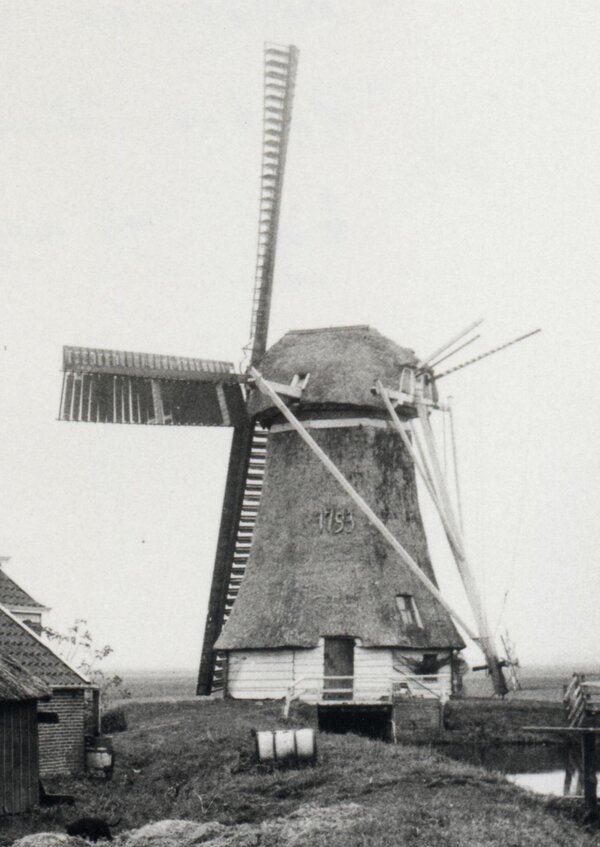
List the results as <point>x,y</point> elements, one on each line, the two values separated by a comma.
<point>265,746</point>
<point>305,744</point>
<point>98,759</point>
<point>286,746</point>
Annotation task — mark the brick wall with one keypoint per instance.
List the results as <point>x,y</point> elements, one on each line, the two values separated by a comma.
<point>420,719</point>
<point>61,744</point>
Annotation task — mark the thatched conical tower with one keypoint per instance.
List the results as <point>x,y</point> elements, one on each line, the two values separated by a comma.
<point>324,597</point>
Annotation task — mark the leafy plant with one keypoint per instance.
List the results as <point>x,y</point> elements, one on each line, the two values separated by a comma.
<point>77,647</point>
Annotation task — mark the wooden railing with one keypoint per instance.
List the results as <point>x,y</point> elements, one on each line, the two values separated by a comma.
<point>363,689</point>
<point>581,700</point>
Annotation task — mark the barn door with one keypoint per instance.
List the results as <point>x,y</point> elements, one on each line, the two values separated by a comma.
<point>338,668</point>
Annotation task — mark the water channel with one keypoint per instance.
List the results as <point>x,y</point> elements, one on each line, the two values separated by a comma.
<point>544,769</point>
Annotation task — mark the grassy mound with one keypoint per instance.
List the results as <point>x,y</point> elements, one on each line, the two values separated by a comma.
<point>194,761</point>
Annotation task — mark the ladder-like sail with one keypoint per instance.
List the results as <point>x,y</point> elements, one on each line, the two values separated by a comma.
<point>240,509</point>
<point>279,80</point>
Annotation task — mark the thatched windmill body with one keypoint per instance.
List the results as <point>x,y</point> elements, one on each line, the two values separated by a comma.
<point>322,573</point>
<point>326,603</point>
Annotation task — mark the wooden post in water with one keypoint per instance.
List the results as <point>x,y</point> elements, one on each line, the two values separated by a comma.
<point>588,761</point>
<point>588,756</point>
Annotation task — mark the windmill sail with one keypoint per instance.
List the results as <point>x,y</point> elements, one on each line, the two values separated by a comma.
<point>117,386</point>
<point>280,77</point>
<point>244,477</point>
<point>240,508</point>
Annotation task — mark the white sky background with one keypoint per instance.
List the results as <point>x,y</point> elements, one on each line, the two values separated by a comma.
<point>443,165</point>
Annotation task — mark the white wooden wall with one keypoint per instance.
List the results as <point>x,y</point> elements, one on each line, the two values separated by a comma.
<point>268,674</point>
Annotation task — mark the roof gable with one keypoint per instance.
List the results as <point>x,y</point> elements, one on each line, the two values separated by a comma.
<point>35,655</point>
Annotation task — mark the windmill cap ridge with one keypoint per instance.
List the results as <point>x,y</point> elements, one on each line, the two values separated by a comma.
<point>344,363</point>
<point>317,330</point>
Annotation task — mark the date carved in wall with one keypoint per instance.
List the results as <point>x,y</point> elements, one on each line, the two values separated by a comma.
<point>332,521</point>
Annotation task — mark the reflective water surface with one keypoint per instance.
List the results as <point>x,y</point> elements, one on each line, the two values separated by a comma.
<point>552,769</point>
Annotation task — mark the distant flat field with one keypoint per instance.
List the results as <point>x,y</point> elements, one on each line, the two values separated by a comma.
<point>538,682</point>
<point>167,684</point>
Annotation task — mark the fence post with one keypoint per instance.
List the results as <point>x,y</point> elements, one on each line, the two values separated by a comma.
<point>588,755</point>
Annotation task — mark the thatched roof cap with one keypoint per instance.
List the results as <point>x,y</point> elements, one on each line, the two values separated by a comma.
<point>343,362</point>
<point>18,684</point>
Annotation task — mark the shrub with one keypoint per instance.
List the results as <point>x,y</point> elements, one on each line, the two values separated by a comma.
<point>114,720</point>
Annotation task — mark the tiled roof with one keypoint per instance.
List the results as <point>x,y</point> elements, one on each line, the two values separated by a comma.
<point>12,595</point>
<point>25,647</point>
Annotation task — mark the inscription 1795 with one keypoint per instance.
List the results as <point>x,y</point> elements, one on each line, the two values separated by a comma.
<point>335,521</point>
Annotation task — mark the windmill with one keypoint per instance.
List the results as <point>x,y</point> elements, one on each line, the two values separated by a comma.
<point>322,569</point>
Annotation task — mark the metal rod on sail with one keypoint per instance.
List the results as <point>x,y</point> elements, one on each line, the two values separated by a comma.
<point>455,464</point>
<point>432,356</point>
<point>456,350</point>
<point>439,495</point>
<point>422,469</point>
<point>486,640</point>
<point>489,353</point>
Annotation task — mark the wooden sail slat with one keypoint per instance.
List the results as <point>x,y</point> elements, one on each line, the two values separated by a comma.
<point>279,81</point>
<point>104,397</point>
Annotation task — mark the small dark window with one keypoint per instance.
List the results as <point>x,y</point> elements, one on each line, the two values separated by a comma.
<point>430,664</point>
<point>409,614</point>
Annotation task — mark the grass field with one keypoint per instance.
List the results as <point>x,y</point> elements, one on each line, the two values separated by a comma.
<point>193,760</point>
<point>539,682</point>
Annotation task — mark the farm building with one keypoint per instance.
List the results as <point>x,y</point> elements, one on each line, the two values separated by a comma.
<point>61,744</point>
<point>19,755</point>
<point>18,601</point>
<point>325,607</point>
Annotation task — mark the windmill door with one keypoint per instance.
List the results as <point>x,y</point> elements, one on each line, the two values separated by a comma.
<point>338,672</point>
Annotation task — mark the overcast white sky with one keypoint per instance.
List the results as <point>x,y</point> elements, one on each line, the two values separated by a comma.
<point>443,165</point>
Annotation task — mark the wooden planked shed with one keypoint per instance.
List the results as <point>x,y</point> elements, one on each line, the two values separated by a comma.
<point>19,750</point>
<point>62,742</point>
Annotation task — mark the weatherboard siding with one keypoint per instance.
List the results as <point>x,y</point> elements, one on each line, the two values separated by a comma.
<point>62,743</point>
<point>269,674</point>
<point>372,672</point>
<point>308,665</point>
<point>18,756</point>
<point>258,675</point>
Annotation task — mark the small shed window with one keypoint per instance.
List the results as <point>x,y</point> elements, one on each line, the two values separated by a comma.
<point>409,613</point>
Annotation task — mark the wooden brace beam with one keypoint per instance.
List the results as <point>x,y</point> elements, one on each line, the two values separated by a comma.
<point>408,560</point>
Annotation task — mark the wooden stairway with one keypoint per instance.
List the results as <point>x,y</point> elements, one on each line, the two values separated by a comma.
<point>581,701</point>
<point>213,670</point>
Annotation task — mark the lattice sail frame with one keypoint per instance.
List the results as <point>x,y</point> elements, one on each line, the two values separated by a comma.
<point>118,386</point>
<point>280,68</point>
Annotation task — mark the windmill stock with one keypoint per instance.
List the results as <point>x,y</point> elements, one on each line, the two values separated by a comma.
<point>322,570</point>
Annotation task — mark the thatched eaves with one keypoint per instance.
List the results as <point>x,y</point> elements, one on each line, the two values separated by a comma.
<point>17,684</point>
<point>343,362</point>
